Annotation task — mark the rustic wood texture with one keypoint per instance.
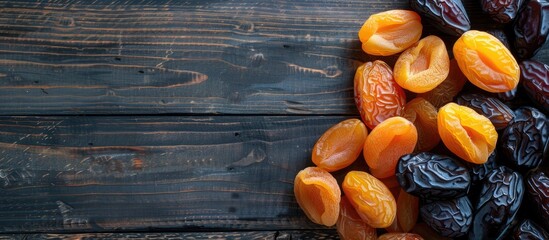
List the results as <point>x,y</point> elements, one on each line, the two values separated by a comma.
<point>263,235</point>
<point>127,173</point>
<point>143,57</point>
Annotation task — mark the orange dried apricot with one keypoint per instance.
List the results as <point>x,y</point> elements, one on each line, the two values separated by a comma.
<point>350,226</point>
<point>486,62</point>
<point>469,135</point>
<point>448,89</point>
<point>317,193</point>
<point>390,32</point>
<point>424,116</point>
<point>423,66</point>
<point>407,210</point>
<point>340,145</point>
<point>386,143</point>
<point>372,200</point>
<point>377,95</point>
<point>400,236</point>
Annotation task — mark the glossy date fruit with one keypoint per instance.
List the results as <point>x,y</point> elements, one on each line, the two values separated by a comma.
<point>500,197</point>
<point>350,226</point>
<point>499,114</point>
<point>486,62</point>
<point>531,28</point>
<point>534,76</point>
<point>523,141</point>
<point>377,95</point>
<point>430,175</point>
<point>390,32</point>
<point>448,16</point>
<point>449,218</point>
<point>469,135</point>
<point>340,145</point>
<point>479,171</point>
<point>317,193</point>
<point>371,199</point>
<point>537,185</point>
<point>502,11</point>
<point>528,230</point>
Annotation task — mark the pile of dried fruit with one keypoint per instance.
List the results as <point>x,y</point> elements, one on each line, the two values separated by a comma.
<point>469,160</point>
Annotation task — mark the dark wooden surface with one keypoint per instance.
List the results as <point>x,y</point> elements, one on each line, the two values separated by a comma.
<point>172,119</point>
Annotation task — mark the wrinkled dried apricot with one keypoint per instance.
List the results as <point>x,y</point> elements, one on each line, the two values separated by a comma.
<point>390,32</point>
<point>400,236</point>
<point>448,89</point>
<point>350,226</point>
<point>469,135</point>
<point>372,200</point>
<point>317,193</point>
<point>407,210</point>
<point>386,143</point>
<point>424,116</point>
<point>486,62</point>
<point>423,66</point>
<point>340,145</point>
<point>377,95</point>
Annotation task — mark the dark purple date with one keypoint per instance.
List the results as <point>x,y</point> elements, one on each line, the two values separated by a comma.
<point>502,11</point>
<point>448,16</point>
<point>531,28</point>
<point>534,76</point>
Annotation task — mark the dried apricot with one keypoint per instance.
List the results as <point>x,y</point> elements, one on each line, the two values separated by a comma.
<point>340,145</point>
<point>424,116</point>
<point>317,193</point>
<point>386,143</point>
<point>350,226</point>
<point>372,200</point>
<point>400,236</point>
<point>377,95</point>
<point>423,66</point>
<point>407,210</point>
<point>448,89</point>
<point>486,62</point>
<point>466,133</point>
<point>390,32</point>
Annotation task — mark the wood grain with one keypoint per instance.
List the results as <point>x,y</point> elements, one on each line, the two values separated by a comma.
<point>186,57</point>
<point>135,173</point>
<point>263,235</point>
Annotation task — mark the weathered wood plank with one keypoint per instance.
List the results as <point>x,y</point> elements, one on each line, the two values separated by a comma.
<point>136,173</point>
<point>264,235</point>
<point>147,57</point>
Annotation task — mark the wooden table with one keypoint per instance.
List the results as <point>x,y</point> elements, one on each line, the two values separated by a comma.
<point>171,119</point>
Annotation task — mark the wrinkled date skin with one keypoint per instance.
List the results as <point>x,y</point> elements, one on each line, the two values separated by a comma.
<point>448,16</point>
<point>523,141</point>
<point>449,218</point>
<point>528,230</point>
<point>501,195</point>
<point>531,28</point>
<point>502,11</point>
<point>430,175</point>
<point>501,36</point>
<point>537,185</point>
<point>499,114</point>
<point>534,76</point>
<point>479,171</point>
<point>377,95</point>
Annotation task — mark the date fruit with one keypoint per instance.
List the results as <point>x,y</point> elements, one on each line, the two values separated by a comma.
<point>500,198</point>
<point>430,175</point>
<point>531,28</point>
<point>448,16</point>
<point>377,95</point>
<point>528,230</point>
<point>449,218</point>
<point>371,199</point>
<point>448,89</point>
<point>424,116</point>
<point>317,193</point>
<point>340,145</point>
<point>534,76</point>
<point>523,141</point>
<point>502,11</point>
<point>537,185</point>
<point>499,114</point>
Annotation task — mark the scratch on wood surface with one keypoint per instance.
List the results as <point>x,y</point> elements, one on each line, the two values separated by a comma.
<point>329,72</point>
<point>255,156</point>
<point>69,221</point>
